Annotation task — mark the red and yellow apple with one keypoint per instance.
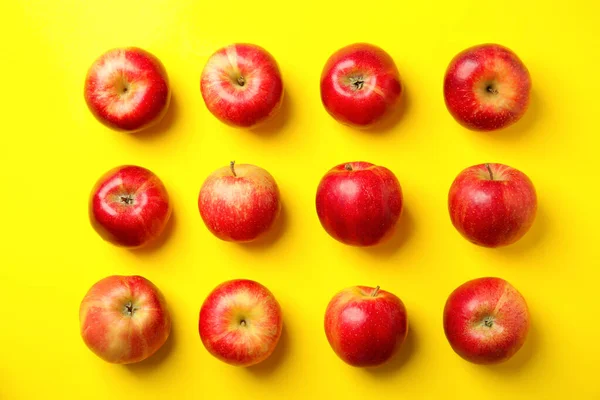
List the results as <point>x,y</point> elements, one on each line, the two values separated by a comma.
<point>127,89</point>
<point>129,206</point>
<point>124,319</point>
<point>240,322</point>
<point>365,326</point>
<point>241,85</point>
<point>359,203</point>
<point>360,85</point>
<point>487,87</point>
<point>486,320</point>
<point>492,205</point>
<point>239,203</point>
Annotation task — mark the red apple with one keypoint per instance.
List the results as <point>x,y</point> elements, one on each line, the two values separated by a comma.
<point>127,89</point>
<point>240,322</point>
<point>365,326</point>
<point>129,206</point>
<point>486,87</point>
<point>359,203</point>
<point>124,319</point>
<point>241,85</point>
<point>486,320</point>
<point>492,205</point>
<point>360,85</point>
<point>239,203</point>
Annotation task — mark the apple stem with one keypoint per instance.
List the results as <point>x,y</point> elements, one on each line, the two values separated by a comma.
<point>241,81</point>
<point>231,166</point>
<point>490,171</point>
<point>375,291</point>
<point>243,322</point>
<point>487,321</point>
<point>491,89</point>
<point>348,167</point>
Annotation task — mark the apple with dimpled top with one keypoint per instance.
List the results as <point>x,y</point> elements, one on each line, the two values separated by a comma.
<point>127,89</point>
<point>240,322</point>
<point>360,85</point>
<point>492,205</point>
<point>486,320</point>
<point>124,319</point>
<point>487,87</point>
<point>365,326</point>
<point>129,206</point>
<point>241,85</point>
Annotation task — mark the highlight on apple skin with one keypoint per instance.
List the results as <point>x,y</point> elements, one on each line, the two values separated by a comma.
<point>360,85</point>
<point>239,203</point>
<point>240,322</point>
<point>487,87</point>
<point>124,319</point>
<point>492,204</point>
<point>359,203</point>
<point>486,320</point>
<point>127,89</point>
<point>241,85</point>
<point>129,206</point>
<point>365,326</point>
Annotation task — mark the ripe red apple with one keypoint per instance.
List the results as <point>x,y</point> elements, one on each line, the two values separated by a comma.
<point>127,89</point>
<point>241,85</point>
<point>365,326</point>
<point>129,206</point>
<point>239,203</point>
<point>124,319</point>
<point>492,205</point>
<point>240,322</point>
<point>359,203</point>
<point>360,85</point>
<point>486,87</point>
<point>486,320</point>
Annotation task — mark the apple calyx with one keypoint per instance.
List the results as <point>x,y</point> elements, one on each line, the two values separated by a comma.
<point>488,321</point>
<point>129,310</point>
<point>232,167</point>
<point>127,199</point>
<point>375,291</point>
<point>487,165</point>
<point>490,88</point>
<point>357,82</point>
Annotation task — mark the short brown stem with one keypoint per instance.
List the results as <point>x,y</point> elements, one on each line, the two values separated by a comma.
<point>490,171</point>
<point>375,291</point>
<point>348,167</point>
<point>241,81</point>
<point>232,167</point>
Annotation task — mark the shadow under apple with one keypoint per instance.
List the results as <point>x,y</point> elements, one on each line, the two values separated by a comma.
<point>270,365</point>
<point>400,359</point>
<point>274,125</point>
<point>153,362</point>
<point>404,231</point>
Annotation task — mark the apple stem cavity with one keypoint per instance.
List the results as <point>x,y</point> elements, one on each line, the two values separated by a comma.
<point>375,291</point>
<point>241,81</point>
<point>490,171</point>
<point>243,322</point>
<point>232,167</point>
<point>348,167</point>
<point>491,89</point>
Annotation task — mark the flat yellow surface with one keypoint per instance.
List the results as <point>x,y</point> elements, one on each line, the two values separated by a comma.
<point>52,150</point>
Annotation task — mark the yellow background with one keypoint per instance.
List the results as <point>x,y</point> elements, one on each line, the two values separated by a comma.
<point>52,152</point>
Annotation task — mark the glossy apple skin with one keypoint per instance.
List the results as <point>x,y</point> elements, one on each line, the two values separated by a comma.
<point>359,203</point>
<point>240,322</point>
<point>360,85</point>
<point>487,87</point>
<point>365,326</point>
<point>492,212</point>
<point>240,207</point>
<point>129,206</point>
<point>124,319</point>
<point>127,89</point>
<point>486,320</point>
<point>241,85</point>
